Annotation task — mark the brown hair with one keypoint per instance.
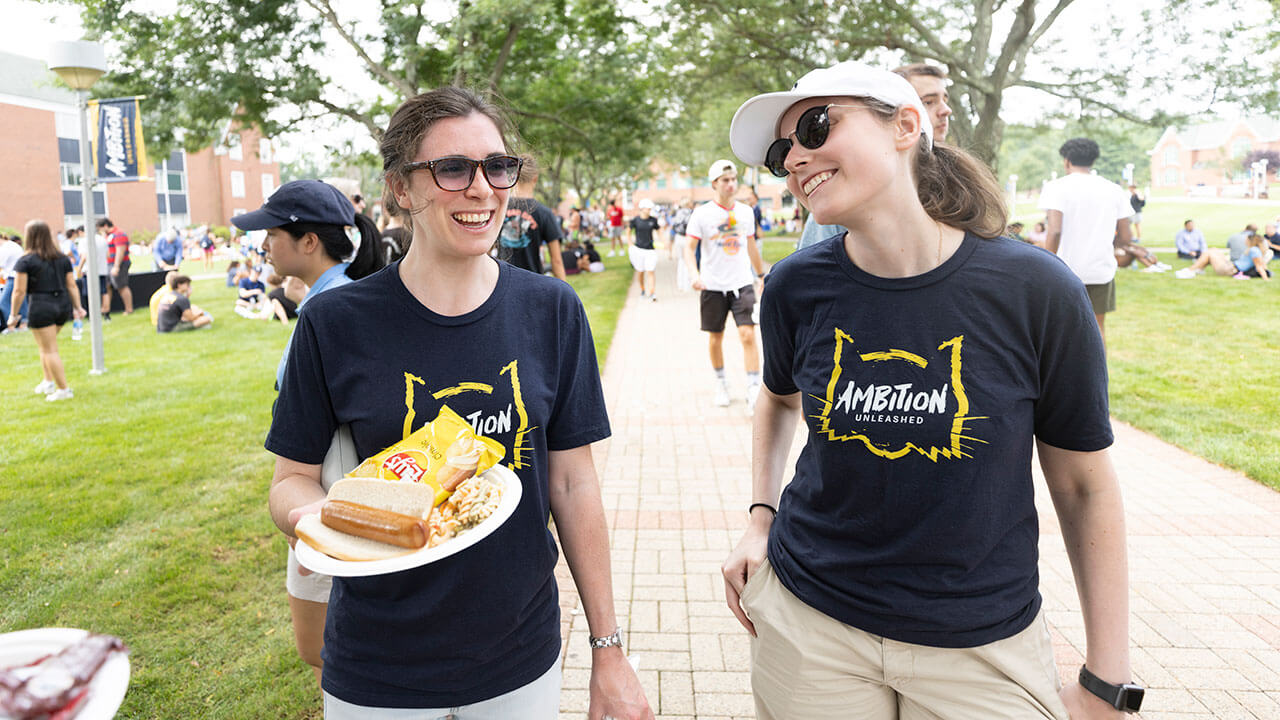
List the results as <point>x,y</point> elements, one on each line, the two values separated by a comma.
<point>954,187</point>
<point>177,280</point>
<point>40,240</point>
<point>917,69</point>
<point>410,124</point>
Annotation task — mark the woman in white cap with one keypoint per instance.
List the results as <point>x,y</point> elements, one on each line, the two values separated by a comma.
<point>476,635</point>
<point>896,577</point>
<point>644,258</point>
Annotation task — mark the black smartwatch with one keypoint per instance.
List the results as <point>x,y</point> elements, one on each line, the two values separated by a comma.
<point>1126,697</point>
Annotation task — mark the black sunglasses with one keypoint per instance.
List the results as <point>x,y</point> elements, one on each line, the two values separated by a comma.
<point>811,131</point>
<point>456,173</point>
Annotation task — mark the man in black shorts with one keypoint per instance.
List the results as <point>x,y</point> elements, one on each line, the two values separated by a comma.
<point>726,232</point>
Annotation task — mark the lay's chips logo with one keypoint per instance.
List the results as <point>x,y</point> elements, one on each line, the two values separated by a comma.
<point>410,465</point>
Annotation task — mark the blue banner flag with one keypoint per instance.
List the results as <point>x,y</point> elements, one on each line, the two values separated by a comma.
<point>119,153</point>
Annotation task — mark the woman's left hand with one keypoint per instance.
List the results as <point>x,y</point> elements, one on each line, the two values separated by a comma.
<point>615,689</point>
<point>1084,705</point>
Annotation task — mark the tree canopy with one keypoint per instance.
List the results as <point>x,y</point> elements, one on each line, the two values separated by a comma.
<point>599,88</point>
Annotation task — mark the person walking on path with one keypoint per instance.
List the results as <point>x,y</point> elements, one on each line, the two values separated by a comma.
<point>897,574</point>
<point>44,274</point>
<point>725,230</point>
<point>475,634</point>
<point>644,258</point>
<point>1088,219</point>
<point>615,227</point>
<point>118,262</point>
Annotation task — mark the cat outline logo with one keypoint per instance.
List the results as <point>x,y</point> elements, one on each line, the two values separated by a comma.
<point>899,398</point>
<point>487,426</point>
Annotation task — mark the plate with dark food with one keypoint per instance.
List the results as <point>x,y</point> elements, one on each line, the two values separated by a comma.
<point>61,674</point>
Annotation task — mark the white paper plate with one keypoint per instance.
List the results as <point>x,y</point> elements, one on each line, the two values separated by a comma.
<point>106,690</point>
<point>317,561</point>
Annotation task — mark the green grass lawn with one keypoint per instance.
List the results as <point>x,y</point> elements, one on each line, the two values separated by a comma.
<point>138,508</point>
<point>1162,218</point>
<point>1192,361</point>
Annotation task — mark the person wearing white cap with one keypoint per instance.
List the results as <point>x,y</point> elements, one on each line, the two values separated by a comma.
<point>644,258</point>
<point>896,575</point>
<point>930,83</point>
<point>726,231</point>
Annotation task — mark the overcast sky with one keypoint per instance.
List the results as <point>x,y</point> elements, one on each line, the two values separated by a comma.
<point>33,25</point>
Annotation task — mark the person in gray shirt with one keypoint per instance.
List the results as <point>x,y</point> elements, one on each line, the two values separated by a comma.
<point>1238,244</point>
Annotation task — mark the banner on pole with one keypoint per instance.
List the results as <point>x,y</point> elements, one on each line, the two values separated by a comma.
<point>119,153</point>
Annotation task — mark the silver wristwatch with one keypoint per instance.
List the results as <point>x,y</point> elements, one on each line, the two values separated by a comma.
<point>613,639</point>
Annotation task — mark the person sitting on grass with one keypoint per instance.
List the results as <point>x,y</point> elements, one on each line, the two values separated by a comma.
<point>252,293</point>
<point>176,311</point>
<point>1272,236</point>
<point>1127,252</point>
<point>161,295</point>
<point>233,273</point>
<point>1190,241</point>
<point>1251,263</point>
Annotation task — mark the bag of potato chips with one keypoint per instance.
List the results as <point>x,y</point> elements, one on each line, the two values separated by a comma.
<point>442,453</point>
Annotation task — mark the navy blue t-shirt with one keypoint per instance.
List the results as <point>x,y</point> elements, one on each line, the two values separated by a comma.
<point>911,515</point>
<point>522,368</point>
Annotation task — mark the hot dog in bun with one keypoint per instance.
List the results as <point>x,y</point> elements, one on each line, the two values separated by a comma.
<point>369,519</point>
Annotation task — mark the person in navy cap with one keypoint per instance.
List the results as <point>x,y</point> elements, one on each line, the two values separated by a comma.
<point>315,235</point>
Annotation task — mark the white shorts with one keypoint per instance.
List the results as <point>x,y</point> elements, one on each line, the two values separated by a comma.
<point>643,260</point>
<point>313,587</point>
<point>539,700</point>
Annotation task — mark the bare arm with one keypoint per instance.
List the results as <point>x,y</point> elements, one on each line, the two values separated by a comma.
<point>579,514</point>
<point>772,430</point>
<point>753,252</point>
<point>1124,230</point>
<point>557,260</point>
<point>691,262</point>
<point>74,291</point>
<point>1054,237</point>
<point>295,491</point>
<point>1086,496</point>
<point>1260,264</point>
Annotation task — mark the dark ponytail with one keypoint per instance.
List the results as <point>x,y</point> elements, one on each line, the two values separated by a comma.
<point>336,244</point>
<point>367,260</point>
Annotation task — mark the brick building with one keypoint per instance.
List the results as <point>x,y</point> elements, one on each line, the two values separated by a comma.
<point>1209,158</point>
<point>40,151</point>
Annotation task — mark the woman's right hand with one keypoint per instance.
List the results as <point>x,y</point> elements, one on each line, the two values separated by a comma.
<point>743,562</point>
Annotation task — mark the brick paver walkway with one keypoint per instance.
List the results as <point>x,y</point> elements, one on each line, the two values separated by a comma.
<point>1204,545</point>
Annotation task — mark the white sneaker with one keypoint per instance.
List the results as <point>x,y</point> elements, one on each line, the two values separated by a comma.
<point>1163,266</point>
<point>1153,269</point>
<point>722,394</point>
<point>753,392</point>
<point>653,298</point>
<point>63,394</point>
<point>46,387</point>
<point>1185,274</point>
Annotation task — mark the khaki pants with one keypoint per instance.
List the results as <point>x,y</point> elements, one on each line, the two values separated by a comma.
<point>807,666</point>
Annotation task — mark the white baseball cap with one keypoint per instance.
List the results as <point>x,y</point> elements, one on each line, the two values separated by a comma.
<point>719,168</point>
<point>755,125</point>
<point>646,204</point>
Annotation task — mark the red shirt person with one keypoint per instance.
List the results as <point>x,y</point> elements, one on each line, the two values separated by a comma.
<point>117,266</point>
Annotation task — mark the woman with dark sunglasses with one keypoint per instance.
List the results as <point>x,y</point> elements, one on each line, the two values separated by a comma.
<point>474,636</point>
<point>896,574</point>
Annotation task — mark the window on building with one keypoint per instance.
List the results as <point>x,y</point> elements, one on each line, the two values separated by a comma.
<point>1171,156</point>
<point>71,176</point>
<point>268,185</point>
<point>264,150</point>
<point>237,184</point>
<point>234,151</point>
<point>1241,147</point>
<point>177,181</point>
<point>1171,176</point>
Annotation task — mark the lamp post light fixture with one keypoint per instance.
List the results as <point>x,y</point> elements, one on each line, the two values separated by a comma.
<point>80,63</point>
